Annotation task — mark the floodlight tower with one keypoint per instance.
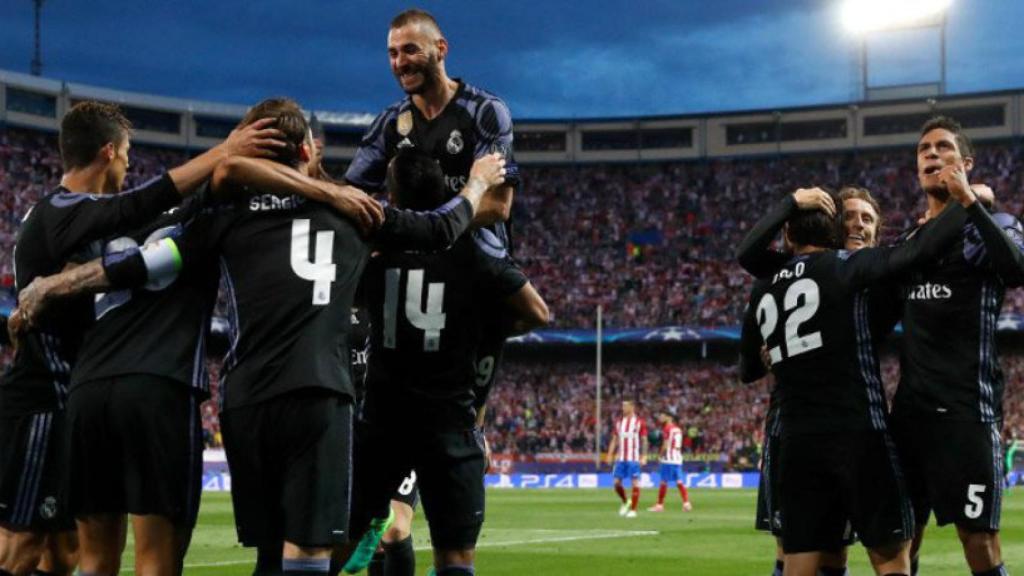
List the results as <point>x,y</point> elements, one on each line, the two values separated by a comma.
<point>37,56</point>
<point>866,17</point>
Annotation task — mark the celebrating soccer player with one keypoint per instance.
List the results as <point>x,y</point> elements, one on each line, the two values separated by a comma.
<point>948,408</point>
<point>830,393</point>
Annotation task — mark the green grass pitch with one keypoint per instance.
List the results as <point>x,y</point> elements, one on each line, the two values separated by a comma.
<point>578,532</point>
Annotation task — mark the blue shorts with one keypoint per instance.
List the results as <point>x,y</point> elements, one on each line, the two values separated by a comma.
<point>670,472</point>
<point>626,470</point>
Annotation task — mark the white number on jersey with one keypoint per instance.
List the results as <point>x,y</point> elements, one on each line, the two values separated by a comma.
<point>431,320</point>
<point>801,301</point>
<point>484,370</point>
<point>321,271</point>
<point>975,505</point>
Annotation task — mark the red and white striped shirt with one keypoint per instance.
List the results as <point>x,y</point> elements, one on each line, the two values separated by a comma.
<point>630,430</point>
<point>673,436</point>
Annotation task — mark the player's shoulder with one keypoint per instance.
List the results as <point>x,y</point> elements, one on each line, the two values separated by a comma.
<point>479,95</point>
<point>391,113</point>
<point>486,107</point>
<point>1006,220</point>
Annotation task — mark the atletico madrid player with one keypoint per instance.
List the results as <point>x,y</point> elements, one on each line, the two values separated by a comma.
<point>629,442</point>
<point>671,469</point>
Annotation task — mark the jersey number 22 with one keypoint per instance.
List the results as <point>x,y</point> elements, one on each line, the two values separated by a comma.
<point>768,317</point>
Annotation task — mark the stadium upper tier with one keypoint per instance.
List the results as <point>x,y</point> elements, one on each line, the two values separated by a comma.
<point>39,103</point>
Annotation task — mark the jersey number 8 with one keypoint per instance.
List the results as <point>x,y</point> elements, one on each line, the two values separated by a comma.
<point>801,300</point>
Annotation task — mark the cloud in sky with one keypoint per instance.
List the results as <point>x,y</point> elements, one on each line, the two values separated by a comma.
<point>547,59</point>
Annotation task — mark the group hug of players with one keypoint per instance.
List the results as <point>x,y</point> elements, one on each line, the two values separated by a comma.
<point>99,412</point>
<point>839,463</point>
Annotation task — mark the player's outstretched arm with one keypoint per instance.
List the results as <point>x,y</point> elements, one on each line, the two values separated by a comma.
<point>256,140</point>
<point>528,311</point>
<point>259,174</point>
<point>115,271</point>
<point>440,228</point>
<point>1002,236</point>
<point>755,254</point>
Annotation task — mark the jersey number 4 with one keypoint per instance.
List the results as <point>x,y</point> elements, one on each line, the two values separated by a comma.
<point>321,271</point>
<point>431,320</point>
<point>801,301</point>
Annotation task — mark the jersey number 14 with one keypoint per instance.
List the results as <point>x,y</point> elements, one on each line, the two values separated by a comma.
<point>801,301</point>
<point>431,319</point>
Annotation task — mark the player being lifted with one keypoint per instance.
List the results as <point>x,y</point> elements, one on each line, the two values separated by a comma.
<point>671,469</point>
<point>63,227</point>
<point>425,324</point>
<point>628,449</point>
<point>837,464</point>
<point>948,409</point>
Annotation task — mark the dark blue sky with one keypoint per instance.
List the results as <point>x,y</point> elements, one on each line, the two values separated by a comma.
<point>547,59</point>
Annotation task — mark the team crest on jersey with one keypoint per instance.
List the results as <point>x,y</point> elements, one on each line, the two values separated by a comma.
<point>405,123</point>
<point>455,143</point>
<point>48,509</point>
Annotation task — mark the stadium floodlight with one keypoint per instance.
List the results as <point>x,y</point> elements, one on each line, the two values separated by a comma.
<point>862,16</point>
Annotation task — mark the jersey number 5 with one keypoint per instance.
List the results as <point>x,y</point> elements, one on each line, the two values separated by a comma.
<point>321,271</point>
<point>431,320</point>
<point>805,290</point>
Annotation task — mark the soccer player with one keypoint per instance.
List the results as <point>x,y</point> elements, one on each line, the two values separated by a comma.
<point>166,323</point>
<point>947,412</point>
<point>837,464</point>
<point>671,469</point>
<point>862,221</point>
<point>452,121</point>
<point>425,325</point>
<point>628,449</point>
<point>60,228</point>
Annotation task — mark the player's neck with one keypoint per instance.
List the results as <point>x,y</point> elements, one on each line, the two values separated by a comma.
<point>808,249</point>
<point>935,207</point>
<point>91,180</point>
<point>432,102</point>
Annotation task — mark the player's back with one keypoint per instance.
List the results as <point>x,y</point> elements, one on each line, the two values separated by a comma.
<point>425,312</point>
<point>815,324</point>
<point>291,269</point>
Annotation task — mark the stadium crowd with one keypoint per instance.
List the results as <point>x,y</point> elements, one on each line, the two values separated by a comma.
<point>652,243</point>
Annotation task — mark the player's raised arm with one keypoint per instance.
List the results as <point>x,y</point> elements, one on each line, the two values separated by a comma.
<point>494,126</point>
<point>257,140</point>
<point>258,174</point>
<point>870,265</point>
<point>1001,235</point>
<point>437,229</point>
<point>755,254</point>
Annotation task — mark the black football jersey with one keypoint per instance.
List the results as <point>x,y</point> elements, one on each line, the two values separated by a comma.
<point>813,316</point>
<point>950,362</point>
<point>360,339</point>
<point>159,328</point>
<point>475,123</point>
<point>291,269</point>
<point>425,329</point>
<point>67,227</point>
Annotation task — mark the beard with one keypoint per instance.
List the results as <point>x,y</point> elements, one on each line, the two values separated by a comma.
<point>431,73</point>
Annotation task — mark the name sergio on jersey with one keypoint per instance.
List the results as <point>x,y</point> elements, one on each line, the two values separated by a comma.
<point>268,202</point>
<point>929,291</point>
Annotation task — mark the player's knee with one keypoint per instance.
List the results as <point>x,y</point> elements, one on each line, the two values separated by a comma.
<point>454,562</point>
<point>21,552</point>
<point>980,547</point>
<point>397,533</point>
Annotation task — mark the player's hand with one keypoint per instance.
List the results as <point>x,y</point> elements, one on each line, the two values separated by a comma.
<point>15,328</point>
<point>32,302</point>
<point>985,194</point>
<point>257,140</point>
<point>489,169</point>
<point>954,178</point>
<point>815,199</point>
<point>358,206</point>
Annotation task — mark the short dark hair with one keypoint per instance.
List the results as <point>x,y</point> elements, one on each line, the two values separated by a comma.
<point>290,121</point>
<point>415,16</point>
<point>415,180</point>
<point>948,123</point>
<point>86,128</point>
<point>813,228</point>
<point>848,192</point>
